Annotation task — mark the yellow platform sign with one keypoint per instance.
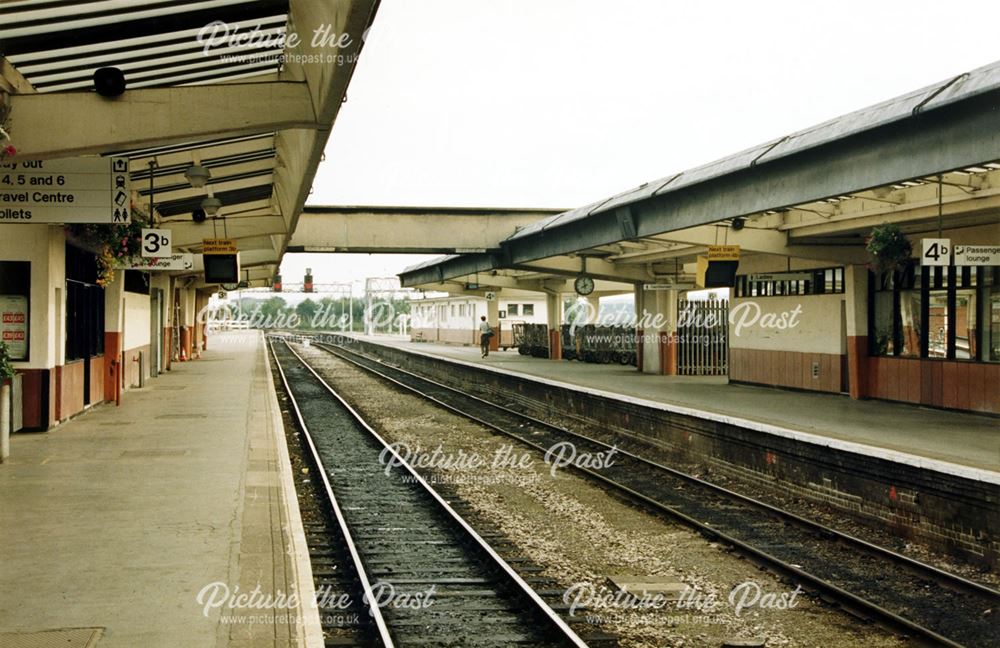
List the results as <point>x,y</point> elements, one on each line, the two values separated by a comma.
<point>219,246</point>
<point>723,253</point>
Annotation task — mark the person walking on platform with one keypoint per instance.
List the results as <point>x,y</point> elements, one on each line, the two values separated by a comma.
<point>485,333</point>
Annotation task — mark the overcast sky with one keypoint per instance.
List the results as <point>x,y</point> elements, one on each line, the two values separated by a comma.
<point>557,103</point>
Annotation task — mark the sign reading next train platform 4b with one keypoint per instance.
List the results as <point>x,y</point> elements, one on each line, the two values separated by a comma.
<point>73,190</point>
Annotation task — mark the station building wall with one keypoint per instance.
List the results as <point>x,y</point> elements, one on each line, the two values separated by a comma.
<point>885,336</point>
<point>135,344</point>
<point>810,355</point>
<point>55,387</point>
<point>42,247</point>
<point>455,320</point>
<point>932,335</point>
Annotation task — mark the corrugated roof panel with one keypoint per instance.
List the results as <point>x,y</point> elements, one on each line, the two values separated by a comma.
<point>982,80</point>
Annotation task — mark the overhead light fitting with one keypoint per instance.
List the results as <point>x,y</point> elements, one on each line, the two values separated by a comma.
<point>109,82</point>
<point>197,175</point>
<point>211,205</point>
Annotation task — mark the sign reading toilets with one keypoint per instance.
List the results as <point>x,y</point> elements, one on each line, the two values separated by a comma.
<point>73,190</point>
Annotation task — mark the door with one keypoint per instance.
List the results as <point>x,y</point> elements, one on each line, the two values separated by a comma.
<point>155,331</point>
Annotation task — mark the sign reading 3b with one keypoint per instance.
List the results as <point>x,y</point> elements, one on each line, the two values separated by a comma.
<point>156,242</point>
<point>72,190</point>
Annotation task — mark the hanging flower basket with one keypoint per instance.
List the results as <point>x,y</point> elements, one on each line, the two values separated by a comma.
<point>112,243</point>
<point>888,247</point>
<point>7,149</point>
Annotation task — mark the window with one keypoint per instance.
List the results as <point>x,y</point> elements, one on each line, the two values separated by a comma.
<point>935,312</point>
<point>512,310</point>
<point>990,317</point>
<point>528,310</point>
<point>137,281</point>
<point>819,281</point>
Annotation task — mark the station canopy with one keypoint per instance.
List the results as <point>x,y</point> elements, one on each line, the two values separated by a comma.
<point>215,83</point>
<point>929,159</point>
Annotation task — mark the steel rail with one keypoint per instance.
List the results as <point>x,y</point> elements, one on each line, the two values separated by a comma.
<point>556,621</point>
<point>856,603</point>
<point>369,597</point>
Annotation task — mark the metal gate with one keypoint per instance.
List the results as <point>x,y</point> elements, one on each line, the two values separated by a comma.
<point>703,337</point>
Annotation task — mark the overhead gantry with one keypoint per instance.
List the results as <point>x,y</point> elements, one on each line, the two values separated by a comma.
<point>408,230</point>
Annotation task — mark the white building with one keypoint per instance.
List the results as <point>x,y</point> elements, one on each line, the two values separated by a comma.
<point>455,319</point>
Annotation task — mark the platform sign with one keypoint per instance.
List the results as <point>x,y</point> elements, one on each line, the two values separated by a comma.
<point>723,253</point>
<point>172,262</point>
<point>977,255</point>
<point>669,286</point>
<point>72,190</point>
<point>14,325</point>
<point>156,242</point>
<point>219,246</point>
<point>935,252</point>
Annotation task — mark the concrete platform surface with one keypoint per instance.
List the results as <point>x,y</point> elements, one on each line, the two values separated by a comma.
<point>118,519</point>
<point>896,431</point>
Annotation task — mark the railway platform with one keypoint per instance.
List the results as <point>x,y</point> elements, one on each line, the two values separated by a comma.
<point>932,475</point>
<point>893,431</point>
<point>113,523</point>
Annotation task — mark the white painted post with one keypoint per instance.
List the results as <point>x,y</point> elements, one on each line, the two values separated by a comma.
<point>4,421</point>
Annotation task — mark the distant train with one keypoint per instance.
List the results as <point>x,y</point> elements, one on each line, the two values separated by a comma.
<point>588,342</point>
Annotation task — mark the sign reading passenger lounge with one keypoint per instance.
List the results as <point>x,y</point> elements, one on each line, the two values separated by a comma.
<point>977,255</point>
<point>74,190</point>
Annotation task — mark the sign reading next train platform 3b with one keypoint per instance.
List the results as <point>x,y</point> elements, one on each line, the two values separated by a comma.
<point>72,190</point>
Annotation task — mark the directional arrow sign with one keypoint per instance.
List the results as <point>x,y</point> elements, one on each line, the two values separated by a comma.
<point>73,190</point>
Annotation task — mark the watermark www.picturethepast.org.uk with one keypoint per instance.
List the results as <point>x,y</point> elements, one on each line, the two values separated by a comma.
<point>256,606</point>
<point>242,43</point>
<point>602,604</point>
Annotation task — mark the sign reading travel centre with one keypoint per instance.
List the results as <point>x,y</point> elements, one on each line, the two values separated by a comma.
<point>74,190</point>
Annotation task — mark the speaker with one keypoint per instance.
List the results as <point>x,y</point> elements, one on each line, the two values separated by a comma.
<point>109,81</point>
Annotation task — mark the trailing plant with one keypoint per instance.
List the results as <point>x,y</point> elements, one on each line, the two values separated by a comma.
<point>889,247</point>
<point>6,368</point>
<point>112,243</point>
<point>7,149</point>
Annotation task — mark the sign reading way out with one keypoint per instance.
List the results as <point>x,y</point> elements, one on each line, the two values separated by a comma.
<point>73,190</point>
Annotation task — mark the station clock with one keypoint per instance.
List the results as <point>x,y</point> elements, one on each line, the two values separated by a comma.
<point>583,285</point>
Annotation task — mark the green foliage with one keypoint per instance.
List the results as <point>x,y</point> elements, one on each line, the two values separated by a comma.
<point>6,369</point>
<point>306,310</point>
<point>112,243</point>
<point>889,247</point>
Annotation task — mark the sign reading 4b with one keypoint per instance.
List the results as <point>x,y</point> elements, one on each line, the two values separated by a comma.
<point>156,242</point>
<point>936,252</point>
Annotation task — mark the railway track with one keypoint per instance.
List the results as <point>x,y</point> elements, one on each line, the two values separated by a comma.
<point>422,575</point>
<point>916,600</point>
